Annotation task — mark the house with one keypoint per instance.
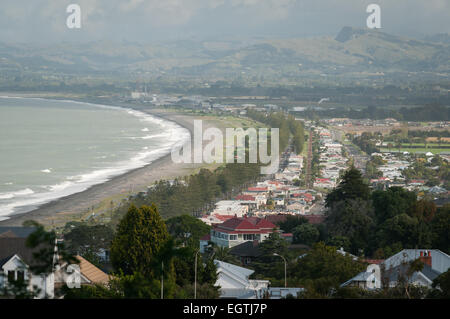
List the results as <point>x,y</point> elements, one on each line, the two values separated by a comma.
<point>435,262</point>
<point>237,230</point>
<point>246,252</point>
<point>324,183</point>
<point>215,219</point>
<point>369,279</point>
<point>204,241</point>
<point>230,207</point>
<point>397,266</point>
<point>87,273</point>
<point>16,259</point>
<point>234,282</point>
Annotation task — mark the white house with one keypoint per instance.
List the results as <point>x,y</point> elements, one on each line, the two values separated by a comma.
<point>369,279</point>
<point>15,261</point>
<point>234,283</point>
<point>238,230</point>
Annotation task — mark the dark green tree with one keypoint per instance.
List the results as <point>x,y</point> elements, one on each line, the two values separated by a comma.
<point>140,236</point>
<point>306,234</point>
<point>352,186</point>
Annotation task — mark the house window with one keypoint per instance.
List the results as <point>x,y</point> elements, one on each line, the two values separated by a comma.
<point>11,275</point>
<point>233,237</point>
<point>249,236</point>
<point>20,275</point>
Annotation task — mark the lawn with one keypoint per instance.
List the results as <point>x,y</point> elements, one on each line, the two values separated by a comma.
<point>417,150</point>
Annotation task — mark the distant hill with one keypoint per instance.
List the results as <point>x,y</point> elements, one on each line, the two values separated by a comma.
<point>354,53</point>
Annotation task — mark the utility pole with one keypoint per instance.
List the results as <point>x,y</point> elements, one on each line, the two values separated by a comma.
<point>195,275</point>
<point>162,280</point>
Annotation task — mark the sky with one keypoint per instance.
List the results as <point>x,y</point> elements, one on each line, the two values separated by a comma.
<point>44,21</point>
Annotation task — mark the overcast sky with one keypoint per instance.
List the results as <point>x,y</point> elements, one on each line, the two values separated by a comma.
<point>149,20</point>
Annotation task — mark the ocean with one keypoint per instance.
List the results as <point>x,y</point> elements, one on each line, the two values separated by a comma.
<point>52,148</point>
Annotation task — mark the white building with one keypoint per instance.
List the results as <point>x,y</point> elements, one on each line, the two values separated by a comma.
<point>234,282</point>
<point>237,230</point>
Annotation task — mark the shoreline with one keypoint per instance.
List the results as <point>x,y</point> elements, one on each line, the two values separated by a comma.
<point>72,207</point>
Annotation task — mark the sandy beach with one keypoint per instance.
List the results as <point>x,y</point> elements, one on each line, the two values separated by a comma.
<point>75,206</point>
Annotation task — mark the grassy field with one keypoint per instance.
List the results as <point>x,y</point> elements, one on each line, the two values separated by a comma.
<point>416,150</point>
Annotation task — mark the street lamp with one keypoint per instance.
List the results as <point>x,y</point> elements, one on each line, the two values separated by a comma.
<point>285,263</point>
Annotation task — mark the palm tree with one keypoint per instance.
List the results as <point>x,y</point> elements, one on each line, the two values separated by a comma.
<point>223,254</point>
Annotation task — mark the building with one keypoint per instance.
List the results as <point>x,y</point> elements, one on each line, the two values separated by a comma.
<point>369,279</point>
<point>435,262</point>
<point>87,272</point>
<point>230,207</point>
<point>238,230</point>
<point>396,267</point>
<point>246,252</point>
<point>16,262</point>
<point>234,282</point>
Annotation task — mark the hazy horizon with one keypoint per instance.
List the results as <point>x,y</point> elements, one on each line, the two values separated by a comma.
<point>44,21</point>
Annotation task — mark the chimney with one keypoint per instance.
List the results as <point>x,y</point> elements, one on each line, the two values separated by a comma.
<point>426,257</point>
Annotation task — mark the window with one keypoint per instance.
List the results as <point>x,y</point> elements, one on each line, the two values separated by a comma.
<point>249,236</point>
<point>11,275</point>
<point>20,275</point>
<point>233,237</point>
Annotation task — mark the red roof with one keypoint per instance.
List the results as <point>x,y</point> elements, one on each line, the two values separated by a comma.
<point>246,224</point>
<point>206,237</point>
<point>323,180</point>
<point>245,197</point>
<point>223,217</point>
<point>257,189</point>
<point>275,183</point>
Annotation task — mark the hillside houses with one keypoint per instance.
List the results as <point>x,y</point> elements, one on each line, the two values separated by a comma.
<point>396,268</point>
<point>331,161</point>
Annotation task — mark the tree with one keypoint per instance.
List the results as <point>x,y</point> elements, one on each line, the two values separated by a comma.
<point>392,202</point>
<point>223,254</point>
<point>291,222</point>
<point>306,234</point>
<point>187,229</point>
<point>405,229</point>
<point>441,229</point>
<point>140,236</point>
<point>88,241</point>
<point>441,286</point>
<point>323,268</point>
<point>352,186</point>
<point>353,219</point>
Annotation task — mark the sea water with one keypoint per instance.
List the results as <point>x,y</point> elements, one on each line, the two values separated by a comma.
<point>52,148</point>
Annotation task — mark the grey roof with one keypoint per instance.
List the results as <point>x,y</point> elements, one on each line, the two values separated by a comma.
<point>17,246</point>
<point>394,273</point>
<point>20,232</point>
<point>246,249</point>
<point>362,276</point>
<point>430,273</point>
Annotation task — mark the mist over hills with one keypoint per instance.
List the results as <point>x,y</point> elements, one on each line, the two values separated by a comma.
<point>354,54</point>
